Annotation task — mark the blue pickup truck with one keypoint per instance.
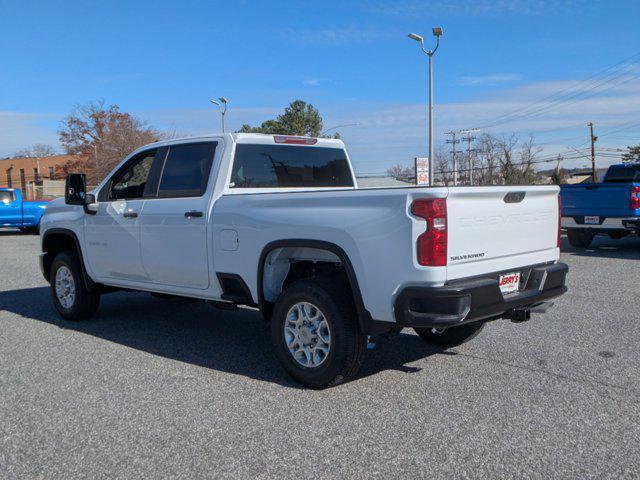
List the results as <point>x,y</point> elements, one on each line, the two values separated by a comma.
<point>609,208</point>
<point>17,213</point>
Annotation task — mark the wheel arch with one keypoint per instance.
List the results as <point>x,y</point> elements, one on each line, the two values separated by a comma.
<point>364,317</point>
<point>56,240</point>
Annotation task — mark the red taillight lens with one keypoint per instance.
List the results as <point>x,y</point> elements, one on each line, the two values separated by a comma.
<point>432,244</point>
<point>634,202</point>
<point>559,218</point>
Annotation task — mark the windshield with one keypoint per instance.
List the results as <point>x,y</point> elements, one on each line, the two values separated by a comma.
<point>6,196</point>
<point>623,173</point>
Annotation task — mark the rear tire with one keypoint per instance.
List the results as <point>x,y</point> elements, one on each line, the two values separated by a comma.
<point>70,295</point>
<point>450,337</point>
<point>315,333</point>
<point>579,237</point>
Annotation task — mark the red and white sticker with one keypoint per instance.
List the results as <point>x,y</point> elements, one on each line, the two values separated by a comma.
<point>509,282</point>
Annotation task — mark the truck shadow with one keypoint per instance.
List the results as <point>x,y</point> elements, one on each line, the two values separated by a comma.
<point>199,334</point>
<point>603,246</point>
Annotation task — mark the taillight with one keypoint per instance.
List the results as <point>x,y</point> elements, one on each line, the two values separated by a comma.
<point>634,202</point>
<point>559,219</point>
<point>432,244</point>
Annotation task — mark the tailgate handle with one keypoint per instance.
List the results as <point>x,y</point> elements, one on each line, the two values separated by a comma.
<point>514,197</point>
<point>592,187</point>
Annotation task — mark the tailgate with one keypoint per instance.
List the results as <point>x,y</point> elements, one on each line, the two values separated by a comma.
<point>604,199</point>
<point>492,229</point>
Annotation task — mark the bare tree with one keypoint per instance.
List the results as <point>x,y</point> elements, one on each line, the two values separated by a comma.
<point>503,160</point>
<point>400,173</point>
<point>102,136</point>
<point>443,166</point>
<point>527,155</point>
<point>508,170</point>
<point>489,154</point>
<point>38,150</point>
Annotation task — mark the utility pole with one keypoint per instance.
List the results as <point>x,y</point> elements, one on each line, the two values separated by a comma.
<point>593,139</point>
<point>469,138</point>
<point>453,142</point>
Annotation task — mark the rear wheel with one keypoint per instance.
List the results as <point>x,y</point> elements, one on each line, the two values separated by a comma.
<point>315,333</point>
<point>71,297</point>
<point>450,337</point>
<point>579,238</point>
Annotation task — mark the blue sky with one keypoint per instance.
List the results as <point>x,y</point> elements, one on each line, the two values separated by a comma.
<point>163,60</point>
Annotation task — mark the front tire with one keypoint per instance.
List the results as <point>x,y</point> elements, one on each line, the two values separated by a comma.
<point>71,297</point>
<point>579,237</point>
<point>451,337</point>
<point>315,333</point>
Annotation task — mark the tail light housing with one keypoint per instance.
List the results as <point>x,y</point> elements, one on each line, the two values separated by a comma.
<point>432,244</point>
<point>634,200</point>
<point>559,219</point>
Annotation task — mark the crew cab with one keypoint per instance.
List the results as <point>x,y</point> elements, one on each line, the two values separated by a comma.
<point>609,208</point>
<point>15,212</point>
<point>278,223</point>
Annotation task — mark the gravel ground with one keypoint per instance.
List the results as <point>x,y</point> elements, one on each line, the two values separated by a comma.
<point>162,388</point>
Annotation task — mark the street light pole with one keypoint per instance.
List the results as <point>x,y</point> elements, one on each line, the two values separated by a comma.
<point>437,32</point>
<point>222,106</point>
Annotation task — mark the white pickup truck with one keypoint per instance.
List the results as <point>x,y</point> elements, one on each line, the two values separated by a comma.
<point>278,223</point>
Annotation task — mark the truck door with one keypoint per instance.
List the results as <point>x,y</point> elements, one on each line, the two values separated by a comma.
<point>174,225</point>
<point>112,235</point>
<point>10,208</point>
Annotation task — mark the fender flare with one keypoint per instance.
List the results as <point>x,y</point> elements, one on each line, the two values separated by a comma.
<point>367,324</point>
<point>89,283</point>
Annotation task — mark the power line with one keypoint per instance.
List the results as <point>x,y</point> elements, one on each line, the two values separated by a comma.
<point>556,98</point>
<point>568,100</point>
<point>620,129</point>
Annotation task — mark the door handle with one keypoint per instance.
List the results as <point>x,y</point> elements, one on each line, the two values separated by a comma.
<point>130,214</point>
<point>192,214</point>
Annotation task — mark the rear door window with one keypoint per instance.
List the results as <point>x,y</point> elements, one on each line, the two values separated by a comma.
<point>6,197</point>
<point>272,166</point>
<point>186,170</point>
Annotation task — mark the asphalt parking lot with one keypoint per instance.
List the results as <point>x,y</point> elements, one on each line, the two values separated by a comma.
<point>162,388</point>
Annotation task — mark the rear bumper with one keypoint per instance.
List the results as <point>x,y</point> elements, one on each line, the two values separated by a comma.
<point>608,223</point>
<point>467,301</point>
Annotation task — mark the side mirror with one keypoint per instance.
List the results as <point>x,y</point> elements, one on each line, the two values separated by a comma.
<point>75,189</point>
<point>91,204</point>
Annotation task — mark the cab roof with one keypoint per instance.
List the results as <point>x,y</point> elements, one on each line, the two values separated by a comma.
<point>256,138</point>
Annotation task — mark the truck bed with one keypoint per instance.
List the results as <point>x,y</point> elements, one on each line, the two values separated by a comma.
<point>488,231</point>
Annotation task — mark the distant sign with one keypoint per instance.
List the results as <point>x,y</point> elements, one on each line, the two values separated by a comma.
<point>422,171</point>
